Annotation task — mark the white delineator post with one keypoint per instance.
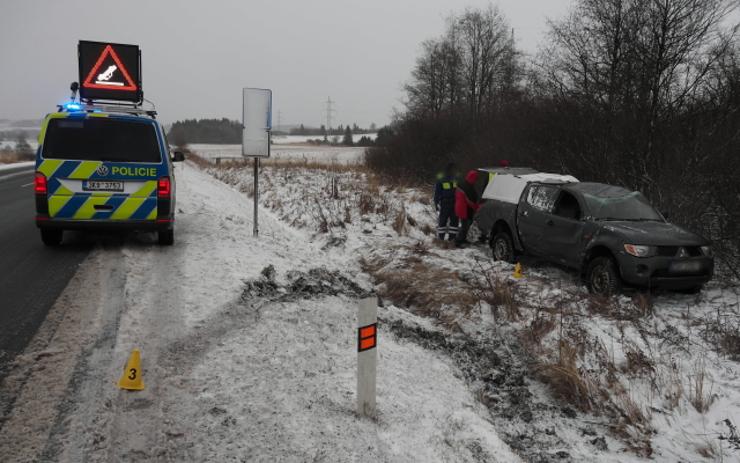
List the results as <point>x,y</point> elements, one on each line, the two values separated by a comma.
<point>367,355</point>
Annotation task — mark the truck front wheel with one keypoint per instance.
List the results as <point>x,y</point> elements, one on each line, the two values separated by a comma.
<point>502,247</point>
<point>602,276</point>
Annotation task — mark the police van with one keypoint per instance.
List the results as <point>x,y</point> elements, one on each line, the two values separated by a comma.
<point>104,168</point>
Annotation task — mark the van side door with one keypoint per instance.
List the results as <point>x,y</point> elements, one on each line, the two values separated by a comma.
<point>535,208</point>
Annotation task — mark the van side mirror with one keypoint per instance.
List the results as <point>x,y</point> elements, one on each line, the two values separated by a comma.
<point>178,156</point>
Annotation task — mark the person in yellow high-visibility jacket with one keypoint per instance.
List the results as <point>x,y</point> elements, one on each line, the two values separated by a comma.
<point>444,203</point>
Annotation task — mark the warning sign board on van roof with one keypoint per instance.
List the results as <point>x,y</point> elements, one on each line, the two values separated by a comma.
<point>110,71</point>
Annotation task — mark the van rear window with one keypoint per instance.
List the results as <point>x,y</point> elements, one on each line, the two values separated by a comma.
<point>101,139</point>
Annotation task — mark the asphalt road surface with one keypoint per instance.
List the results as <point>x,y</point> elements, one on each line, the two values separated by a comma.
<point>31,275</point>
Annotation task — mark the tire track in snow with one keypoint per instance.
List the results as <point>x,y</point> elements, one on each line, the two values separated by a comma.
<point>54,369</point>
<point>138,429</point>
<point>90,378</point>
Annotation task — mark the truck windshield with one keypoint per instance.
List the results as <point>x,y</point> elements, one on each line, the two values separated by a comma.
<point>632,206</point>
<point>101,139</point>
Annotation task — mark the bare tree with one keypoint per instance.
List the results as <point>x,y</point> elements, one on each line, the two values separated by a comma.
<point>470,69</point>
<point>634,64</point>
<point>435,86</point>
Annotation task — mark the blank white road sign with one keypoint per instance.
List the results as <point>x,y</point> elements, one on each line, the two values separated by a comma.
<point>257,121</point>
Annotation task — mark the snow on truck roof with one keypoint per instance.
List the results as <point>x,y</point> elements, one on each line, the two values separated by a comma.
<point>507,184</point>
<point>508,170</point>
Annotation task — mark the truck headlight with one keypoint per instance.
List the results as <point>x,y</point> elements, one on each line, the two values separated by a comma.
<point>639,250</point>
<point>706,250</point>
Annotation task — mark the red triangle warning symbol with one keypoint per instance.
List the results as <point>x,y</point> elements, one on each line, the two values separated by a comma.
<point>115,76</point>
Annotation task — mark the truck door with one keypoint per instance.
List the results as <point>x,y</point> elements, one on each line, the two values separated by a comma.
<point>532,215</point>
<point>563,238</point>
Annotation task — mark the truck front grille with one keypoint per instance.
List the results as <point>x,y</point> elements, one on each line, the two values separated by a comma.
<point>675,251</point>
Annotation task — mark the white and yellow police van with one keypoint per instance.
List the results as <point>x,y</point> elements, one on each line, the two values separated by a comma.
<point>104,168</point>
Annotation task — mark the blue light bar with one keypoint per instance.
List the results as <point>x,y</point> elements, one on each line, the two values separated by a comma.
<point>72,106</point>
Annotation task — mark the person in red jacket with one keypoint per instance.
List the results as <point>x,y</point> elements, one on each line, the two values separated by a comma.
<point>466,205</point>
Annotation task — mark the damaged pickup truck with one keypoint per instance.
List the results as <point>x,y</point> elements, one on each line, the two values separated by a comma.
<point>611,235</point>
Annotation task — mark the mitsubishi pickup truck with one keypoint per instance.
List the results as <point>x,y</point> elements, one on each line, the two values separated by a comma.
<point>612,236</point>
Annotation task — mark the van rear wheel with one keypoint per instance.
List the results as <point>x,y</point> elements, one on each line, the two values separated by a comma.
<point>51,237</point>
<point>166,237</point>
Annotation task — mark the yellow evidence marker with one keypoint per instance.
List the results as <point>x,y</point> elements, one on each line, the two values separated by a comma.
<point>518,271</point>
<point>132,378</point>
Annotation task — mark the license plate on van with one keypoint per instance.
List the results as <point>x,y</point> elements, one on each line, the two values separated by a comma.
<point>102,185</point>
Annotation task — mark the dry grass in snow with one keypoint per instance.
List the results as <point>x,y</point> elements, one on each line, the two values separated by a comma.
<point>563,373</point>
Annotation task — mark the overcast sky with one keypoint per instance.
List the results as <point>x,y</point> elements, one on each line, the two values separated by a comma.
<point>197,55</point>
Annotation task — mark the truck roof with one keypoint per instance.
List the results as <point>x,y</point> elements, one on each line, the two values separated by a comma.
<point>506,186</point>
<point>508,170</point>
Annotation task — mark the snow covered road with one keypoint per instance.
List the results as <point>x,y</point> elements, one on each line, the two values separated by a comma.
<point>239,364</point>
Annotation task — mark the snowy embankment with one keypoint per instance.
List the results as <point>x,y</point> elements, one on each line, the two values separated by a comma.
<point>248,351</point>
<point>563,374</point>
<point>16,165</point>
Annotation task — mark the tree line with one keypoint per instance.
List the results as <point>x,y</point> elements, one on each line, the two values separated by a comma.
<point>205,131</point>
<point>639,93</point>
<point>228,131</point>
<point>346,139</point>
<point>338,131</point>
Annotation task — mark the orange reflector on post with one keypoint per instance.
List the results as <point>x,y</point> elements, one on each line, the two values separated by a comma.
<point>367,337</point>
<point>367,331</point>
<point>366,344</point>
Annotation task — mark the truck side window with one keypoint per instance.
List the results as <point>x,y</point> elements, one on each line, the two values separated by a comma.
<point>567,206</point>
<point>542,197</point>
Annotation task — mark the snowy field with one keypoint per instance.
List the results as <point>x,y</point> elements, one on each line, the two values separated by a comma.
<point>248,345</point>
<point>638,378</point>
<point>307,153</point>
<point>248,350</point>
<point>10,144</point>
<point>8,127</point>
<point>10,157</point>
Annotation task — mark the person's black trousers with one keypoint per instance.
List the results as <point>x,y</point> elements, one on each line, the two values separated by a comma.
<point>462,233</point>
<point>447,223</point>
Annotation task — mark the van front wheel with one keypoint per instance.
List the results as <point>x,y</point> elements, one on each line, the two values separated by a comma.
<point>166,237</point>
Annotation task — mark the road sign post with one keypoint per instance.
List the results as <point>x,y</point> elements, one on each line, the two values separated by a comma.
<point>257,124</point>
<point>367,355</point>
<point>256,196</point>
